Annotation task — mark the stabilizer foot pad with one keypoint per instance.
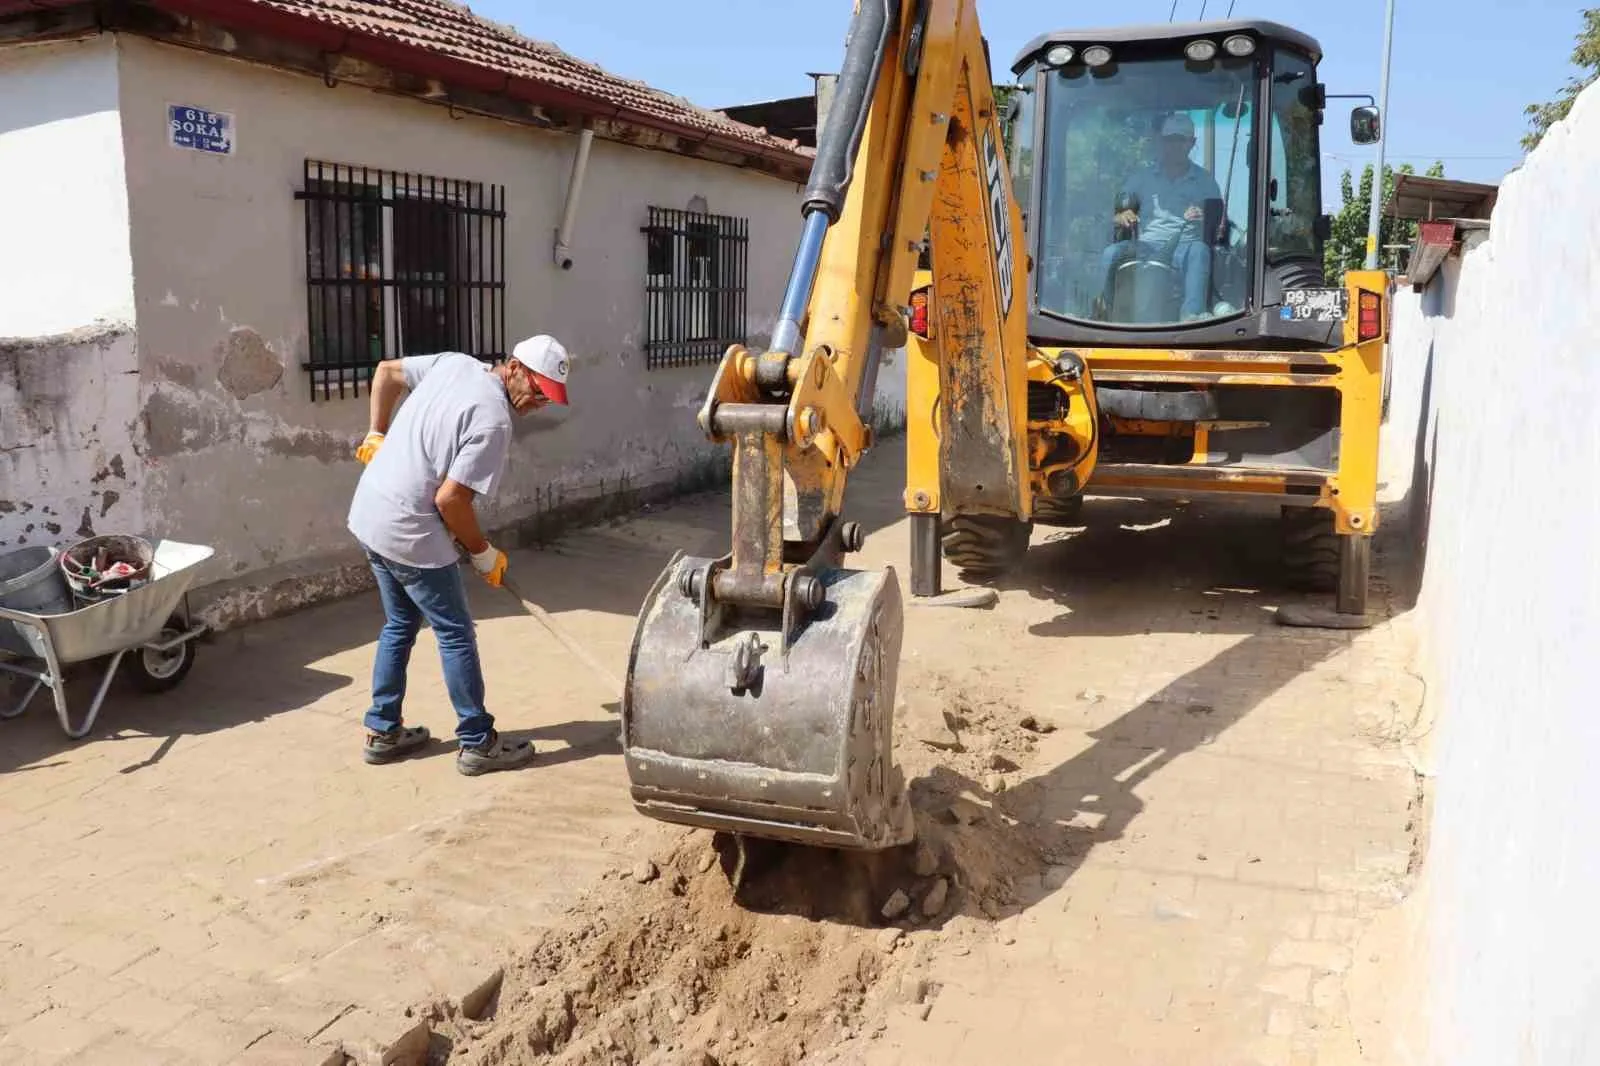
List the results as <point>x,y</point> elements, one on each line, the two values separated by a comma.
<point>1308,617</point>
<point>979,597</point>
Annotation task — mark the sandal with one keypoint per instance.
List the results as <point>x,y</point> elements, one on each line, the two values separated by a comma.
<point>494,754</point>
<point>395,744</point>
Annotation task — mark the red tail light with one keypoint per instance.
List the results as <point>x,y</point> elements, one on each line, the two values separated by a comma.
<point>1369,324</point>
<point>919,313</point>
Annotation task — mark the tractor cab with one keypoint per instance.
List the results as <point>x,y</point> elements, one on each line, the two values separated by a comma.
<point>1170,180</point>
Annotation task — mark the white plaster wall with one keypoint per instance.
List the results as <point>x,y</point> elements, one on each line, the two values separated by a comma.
<point>218,245</point>
<point>69,399</point>
<point>1508,446</point>
<point>63,203</point>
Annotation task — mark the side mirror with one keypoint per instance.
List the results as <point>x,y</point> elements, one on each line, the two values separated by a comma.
<point>1365,125</point>
<point>1322,228</point>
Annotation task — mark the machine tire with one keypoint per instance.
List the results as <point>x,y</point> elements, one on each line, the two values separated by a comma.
<point>984,546</point>
<point>1310,549</point>
<point>1057,511</point>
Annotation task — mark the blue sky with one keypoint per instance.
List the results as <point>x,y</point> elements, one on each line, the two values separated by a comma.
<point>1463,71</point>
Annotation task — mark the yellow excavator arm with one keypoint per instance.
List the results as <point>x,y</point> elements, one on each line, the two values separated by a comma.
<point>761,685</point>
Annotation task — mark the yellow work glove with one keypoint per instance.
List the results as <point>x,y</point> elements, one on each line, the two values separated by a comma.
<point>369,447</point>
<point>491,564</point>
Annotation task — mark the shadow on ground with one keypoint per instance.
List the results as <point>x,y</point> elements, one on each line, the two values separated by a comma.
<point>1133,567</point>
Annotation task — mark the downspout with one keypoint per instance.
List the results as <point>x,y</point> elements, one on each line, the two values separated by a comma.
<point>580,164</point>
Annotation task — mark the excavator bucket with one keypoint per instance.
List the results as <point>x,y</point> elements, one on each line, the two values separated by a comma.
<point>733,727</point>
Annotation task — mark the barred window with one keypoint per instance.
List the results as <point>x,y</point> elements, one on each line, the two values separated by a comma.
<point>398,264</point>
<point>695,280</point>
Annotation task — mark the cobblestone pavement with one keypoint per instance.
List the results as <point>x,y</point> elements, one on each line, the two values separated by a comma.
<point>215,877</point>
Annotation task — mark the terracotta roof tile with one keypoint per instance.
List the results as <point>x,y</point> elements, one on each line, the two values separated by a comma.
<point>453,30</point>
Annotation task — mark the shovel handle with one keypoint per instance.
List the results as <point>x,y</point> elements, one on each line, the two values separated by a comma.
<point>571,645</point>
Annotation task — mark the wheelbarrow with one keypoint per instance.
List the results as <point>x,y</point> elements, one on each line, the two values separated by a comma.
<point>145,620</point>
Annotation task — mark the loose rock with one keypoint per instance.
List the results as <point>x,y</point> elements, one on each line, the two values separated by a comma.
<point>412,1047</point>
<point>995,783</point>
<point>475,1003</point>
<point>897,905</point>
<point>933,902</point>
<point>1035,724</point>
<point>929,723</point>
<point>889,938</point>
<point>707,860</point>
<point>926,863</point>
<point>645,872</point>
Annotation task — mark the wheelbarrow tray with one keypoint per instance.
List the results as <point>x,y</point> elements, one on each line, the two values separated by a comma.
<point>46,644</point>
<point>118,623</point>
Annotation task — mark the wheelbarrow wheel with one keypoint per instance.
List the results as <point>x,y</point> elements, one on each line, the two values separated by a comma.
<point>159,671</point>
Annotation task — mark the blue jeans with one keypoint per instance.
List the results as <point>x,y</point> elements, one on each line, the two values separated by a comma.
<point>411,594</point>
<point>1192,260</point>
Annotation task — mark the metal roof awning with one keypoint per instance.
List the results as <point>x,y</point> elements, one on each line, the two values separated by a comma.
<point>1442,209</point>
<point>1423,199</point>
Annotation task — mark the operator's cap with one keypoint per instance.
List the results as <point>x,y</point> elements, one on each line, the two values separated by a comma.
<point>545,356</point>
<point>1179,125</point>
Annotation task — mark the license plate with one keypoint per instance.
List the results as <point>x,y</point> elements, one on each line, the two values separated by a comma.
<point>1315,305</point>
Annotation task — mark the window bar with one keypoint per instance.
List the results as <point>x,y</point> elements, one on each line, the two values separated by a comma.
<point>450,264</point>
<point>500,276</point>
<point>680,285</point>
<point>649,291</point>
<point>736,293</point>
<point>650,327</point>
<point>340,228</point>
<point>475,249</point>
<point>365,318</point>
<point>311,341</point>
<point>405,240</point>
<point>381,281</point>
<point>438,321</point>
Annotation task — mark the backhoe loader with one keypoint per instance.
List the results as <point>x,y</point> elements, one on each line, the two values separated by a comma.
<point>1090,307</point>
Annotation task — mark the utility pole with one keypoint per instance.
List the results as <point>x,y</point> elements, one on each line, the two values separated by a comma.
<point>1376,212</point>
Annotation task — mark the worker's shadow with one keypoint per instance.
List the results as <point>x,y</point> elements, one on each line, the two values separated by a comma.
<point>578,740</point>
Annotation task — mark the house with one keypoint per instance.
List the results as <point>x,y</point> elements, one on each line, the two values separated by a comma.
<point>218,214</point>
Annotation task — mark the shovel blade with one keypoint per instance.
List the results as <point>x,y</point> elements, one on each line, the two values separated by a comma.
<point>804,754</point>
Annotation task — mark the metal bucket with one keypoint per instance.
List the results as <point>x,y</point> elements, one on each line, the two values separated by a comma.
<point>30,582</point>
<point>85,566</point>
<point>806,753</point>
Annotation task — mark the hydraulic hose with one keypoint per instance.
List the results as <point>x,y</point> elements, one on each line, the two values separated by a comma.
<point>837,144</point>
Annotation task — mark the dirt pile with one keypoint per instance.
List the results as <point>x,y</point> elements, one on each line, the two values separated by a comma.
<point>665,964</point>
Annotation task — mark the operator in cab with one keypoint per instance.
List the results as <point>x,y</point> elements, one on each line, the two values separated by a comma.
<point>1165,202</point>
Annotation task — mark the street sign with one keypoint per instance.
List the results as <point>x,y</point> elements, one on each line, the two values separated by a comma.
<point>200,130</point>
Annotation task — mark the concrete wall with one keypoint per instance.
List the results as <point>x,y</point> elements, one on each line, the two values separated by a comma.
<point>63,205</point>
<point>238,455</point>
<point>68,361</point>
<point>1495,381</point>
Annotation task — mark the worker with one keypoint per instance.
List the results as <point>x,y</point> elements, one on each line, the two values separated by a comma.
<point>1171,191</point>
<point>413,507</point>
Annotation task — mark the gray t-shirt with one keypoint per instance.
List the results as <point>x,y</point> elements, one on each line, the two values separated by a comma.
<point>1163,200</point>
<point>456,424</point>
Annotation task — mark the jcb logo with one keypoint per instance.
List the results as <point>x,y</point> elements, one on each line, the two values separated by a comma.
<point>999,221</point>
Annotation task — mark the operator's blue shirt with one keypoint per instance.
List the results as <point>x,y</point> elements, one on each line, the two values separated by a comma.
<point>1163,201</point>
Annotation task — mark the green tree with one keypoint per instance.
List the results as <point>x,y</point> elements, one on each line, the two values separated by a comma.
<point>1586,57</point>
<point>1346,248</point>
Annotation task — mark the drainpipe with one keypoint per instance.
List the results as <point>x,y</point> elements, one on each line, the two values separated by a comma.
<point>580,164</point>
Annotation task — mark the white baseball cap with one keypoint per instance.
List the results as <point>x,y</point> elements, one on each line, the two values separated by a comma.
<point>1179,125</point>
<point>545,356</point>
